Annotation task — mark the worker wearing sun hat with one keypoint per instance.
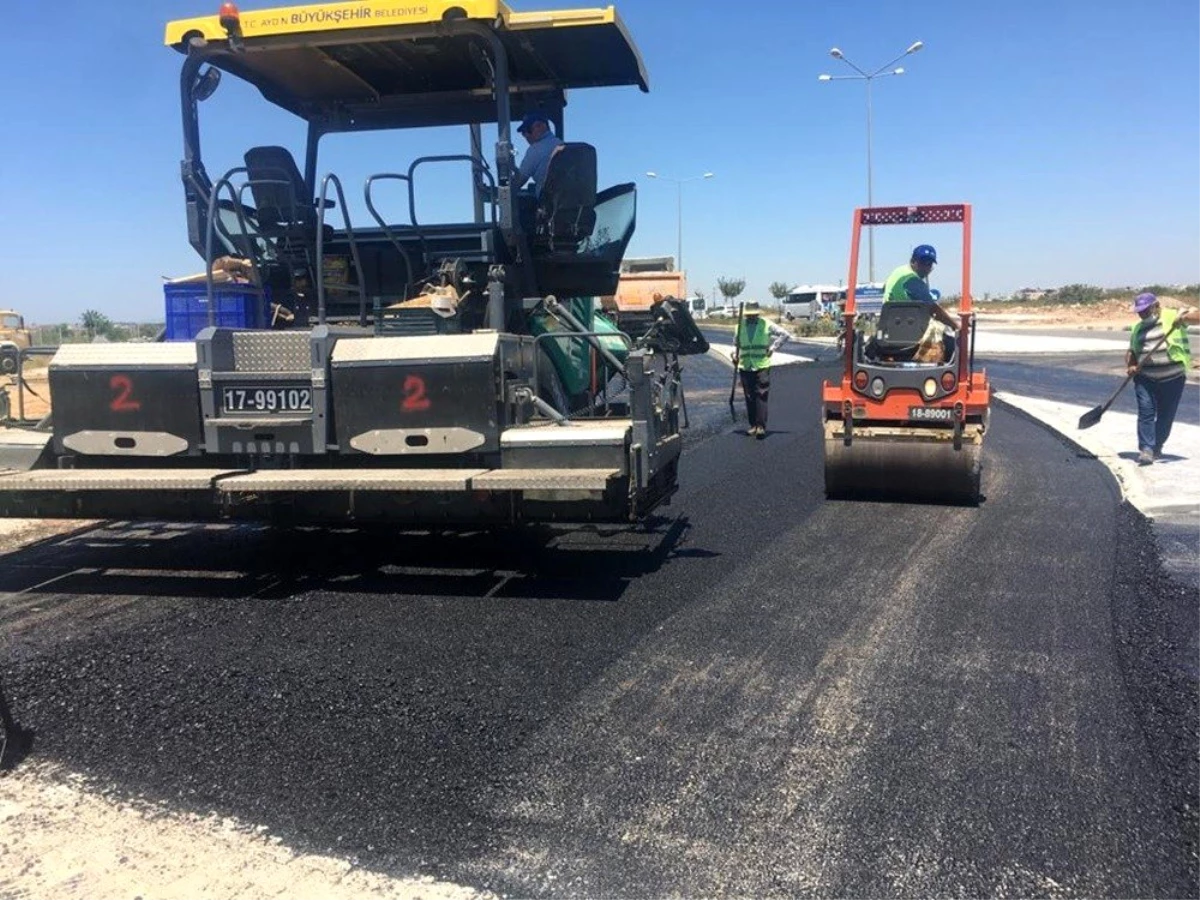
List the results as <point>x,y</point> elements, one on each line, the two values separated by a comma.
<point>755,340</point>
<point>1159,377</point>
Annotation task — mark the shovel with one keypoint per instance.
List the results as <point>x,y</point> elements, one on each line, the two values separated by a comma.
<point>1092,416</point>
<point>733,387</point>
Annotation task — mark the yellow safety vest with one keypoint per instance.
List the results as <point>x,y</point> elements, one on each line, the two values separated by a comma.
<point>753,341</point>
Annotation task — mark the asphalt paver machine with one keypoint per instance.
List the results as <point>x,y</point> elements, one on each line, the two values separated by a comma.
<point>899,424</point>
<point>395,370</point>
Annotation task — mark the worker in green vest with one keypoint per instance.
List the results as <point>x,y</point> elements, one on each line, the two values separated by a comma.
<point>754,342</point>
<point>1160,376</point>
<point>910,284</point>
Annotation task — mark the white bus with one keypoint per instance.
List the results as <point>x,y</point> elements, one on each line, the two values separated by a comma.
<point>812,301</point>
<point>697,307</point>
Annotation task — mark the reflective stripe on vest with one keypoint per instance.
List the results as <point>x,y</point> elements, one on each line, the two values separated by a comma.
<point>753,342</point>
<point>894,290</point>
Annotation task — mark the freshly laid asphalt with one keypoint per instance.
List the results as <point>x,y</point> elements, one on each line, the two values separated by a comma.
<point>762,693</point>
<point>1054,377</point>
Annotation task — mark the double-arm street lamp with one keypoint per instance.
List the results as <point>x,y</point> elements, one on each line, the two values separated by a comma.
<point>862,75</point>
<point>679,183</point>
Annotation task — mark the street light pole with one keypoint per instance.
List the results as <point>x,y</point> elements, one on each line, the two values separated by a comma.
<point>868,78</point>
<point>870,188</point>
<point>679,183</point>
<point>679,225</point>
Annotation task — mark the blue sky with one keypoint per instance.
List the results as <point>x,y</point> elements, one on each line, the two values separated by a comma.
<point>1073,128</point>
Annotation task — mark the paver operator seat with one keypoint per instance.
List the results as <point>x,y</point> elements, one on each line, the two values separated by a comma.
<point>566,209</point>
<point>287,219</point>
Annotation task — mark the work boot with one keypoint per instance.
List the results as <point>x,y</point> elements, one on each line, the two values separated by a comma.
<point>1146,458</point>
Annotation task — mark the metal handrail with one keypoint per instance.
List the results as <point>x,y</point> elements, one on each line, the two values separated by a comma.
<point>387,231</point>
<point>226,181</point>
<point>454,157</point>
<point>320,265</point>
<point>22,352</point>
<point>572,335</point>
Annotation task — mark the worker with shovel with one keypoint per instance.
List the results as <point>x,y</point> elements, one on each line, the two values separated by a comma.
<point>755,340</point>
<point>1159,378</point>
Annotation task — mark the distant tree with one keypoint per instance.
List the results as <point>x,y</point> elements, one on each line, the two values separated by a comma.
<point>95,323</point>
<point>730,287</point>
<point>1078,293</point>
<point>778,289</point>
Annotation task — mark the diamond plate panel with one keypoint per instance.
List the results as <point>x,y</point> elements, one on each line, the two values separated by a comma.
<point>112,479</point>
<point>442,348</point>
<point>125,355</point>
<point>605,432</point>
<point>544,479</point>
<point>350,479</point>
<point>272,351</point>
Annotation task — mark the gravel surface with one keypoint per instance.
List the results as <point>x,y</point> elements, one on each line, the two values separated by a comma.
<point>761,694</point>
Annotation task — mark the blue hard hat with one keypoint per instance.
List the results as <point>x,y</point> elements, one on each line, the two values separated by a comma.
<point>924,252</point>
<point>1143,302</point>
<point>530,118</point>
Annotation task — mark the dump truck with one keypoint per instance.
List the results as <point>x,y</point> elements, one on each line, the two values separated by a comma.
<point>389,369</point>
<point>903,420</point>
<point>642,283</point>
<point>14,337</point>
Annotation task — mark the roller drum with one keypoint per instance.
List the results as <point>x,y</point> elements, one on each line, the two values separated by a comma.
<point>904,464</point>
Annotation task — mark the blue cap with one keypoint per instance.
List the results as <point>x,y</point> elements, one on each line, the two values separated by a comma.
<point>530,118</point>
<point>924,252</point>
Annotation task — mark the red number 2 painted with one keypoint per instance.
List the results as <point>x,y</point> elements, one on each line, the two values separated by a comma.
<point>122,387</point>
<point>415,398</point>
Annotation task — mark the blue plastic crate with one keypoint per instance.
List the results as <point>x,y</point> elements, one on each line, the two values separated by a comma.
<point>234,306</point>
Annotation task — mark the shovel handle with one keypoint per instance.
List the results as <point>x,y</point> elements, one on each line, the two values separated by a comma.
<point>735,356</point>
